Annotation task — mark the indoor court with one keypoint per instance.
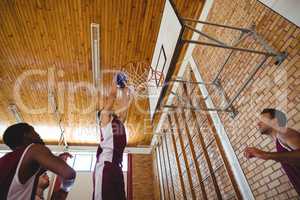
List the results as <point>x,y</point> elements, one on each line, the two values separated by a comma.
<point>150,99</point>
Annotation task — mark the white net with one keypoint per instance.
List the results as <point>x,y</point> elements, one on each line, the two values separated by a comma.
<point>141,76</point>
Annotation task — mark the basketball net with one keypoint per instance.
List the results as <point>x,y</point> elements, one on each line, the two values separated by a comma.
<point>141,76</point>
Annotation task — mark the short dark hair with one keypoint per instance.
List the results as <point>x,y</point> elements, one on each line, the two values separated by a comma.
<point>13,136</point>
<point>279,115</point>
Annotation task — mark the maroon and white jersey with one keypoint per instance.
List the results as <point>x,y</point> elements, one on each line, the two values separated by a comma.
<point>292,171</point>
<point>10,186</point>
<point>108,172</point>
<point>112,142</point>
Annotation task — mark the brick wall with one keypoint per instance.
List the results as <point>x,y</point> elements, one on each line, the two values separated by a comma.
<point>142,177</point>
<point>156,177</point>
<point>181,146</point>
<point>273,86</point>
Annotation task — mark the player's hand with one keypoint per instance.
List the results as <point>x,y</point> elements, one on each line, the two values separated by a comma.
<point>113,90</point>
<point>65,156</point>
<point>126,84</point>
<point>43,181</point>
<point>251,152</point>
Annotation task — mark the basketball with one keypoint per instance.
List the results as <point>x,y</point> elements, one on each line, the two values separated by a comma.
<point>121,79</point>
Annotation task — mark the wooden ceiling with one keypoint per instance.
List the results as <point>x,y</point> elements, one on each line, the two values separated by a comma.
<point>50,40</point>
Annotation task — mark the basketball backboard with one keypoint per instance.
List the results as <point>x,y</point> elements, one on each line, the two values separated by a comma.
<point>169,33</point>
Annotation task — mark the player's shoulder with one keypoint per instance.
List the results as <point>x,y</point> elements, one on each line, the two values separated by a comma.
<point>38,146</point>
<point>38,149</point>
<point>288,133</point>
<point>292,133</point>
<point>293,138</point>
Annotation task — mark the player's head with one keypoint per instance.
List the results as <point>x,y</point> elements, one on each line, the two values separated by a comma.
<point>43,181</point>
<point>271,118</point>
<point>19,135</point>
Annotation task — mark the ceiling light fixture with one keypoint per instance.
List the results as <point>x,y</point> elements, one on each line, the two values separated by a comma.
<point>95,38</point>
<point>15,112</point>
<point>54,110</point>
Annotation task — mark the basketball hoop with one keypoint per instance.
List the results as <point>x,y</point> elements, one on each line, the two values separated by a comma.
<point>141,76</point>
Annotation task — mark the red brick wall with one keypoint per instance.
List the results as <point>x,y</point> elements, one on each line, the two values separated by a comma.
<point>142,177</point>
<point>273,86</point>
<point>155,177</point>
<point>191,188</point>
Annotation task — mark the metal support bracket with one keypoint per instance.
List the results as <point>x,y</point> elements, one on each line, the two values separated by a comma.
<point>267,52</point>
<point>230,109</point>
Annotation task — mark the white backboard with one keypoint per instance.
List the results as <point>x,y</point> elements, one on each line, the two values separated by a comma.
<point>168,36</point>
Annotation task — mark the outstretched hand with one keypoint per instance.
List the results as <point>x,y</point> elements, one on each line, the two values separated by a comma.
<point>64,156</point>
<point>114,89</point>
<point>252,152</point>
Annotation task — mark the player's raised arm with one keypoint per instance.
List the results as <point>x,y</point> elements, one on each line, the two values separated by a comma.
<point>43,156</point>
<point>105,113</point>
<point>125,98</point>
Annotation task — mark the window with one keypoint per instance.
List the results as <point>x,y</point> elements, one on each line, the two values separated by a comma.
<point>125,162</point>
<point>85,161</point>
<point>3,152</point>
<point>82,161</point>
<point>94,162</point>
